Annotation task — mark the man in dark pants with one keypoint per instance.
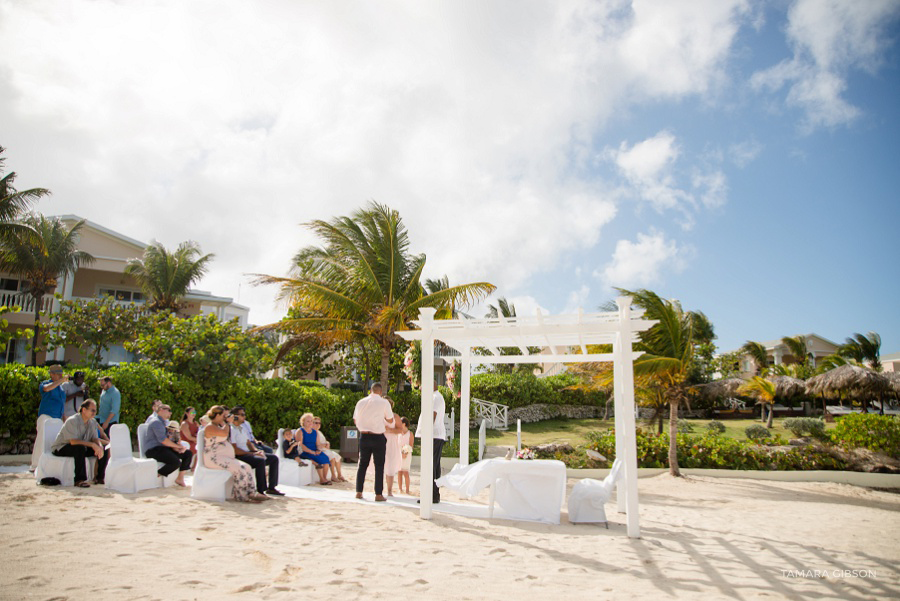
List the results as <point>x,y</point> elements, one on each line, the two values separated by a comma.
<point>258,459</point>
<point>158,446</point>
<point>78,438</point>
<point>439,437</point>
<point>371,416</point>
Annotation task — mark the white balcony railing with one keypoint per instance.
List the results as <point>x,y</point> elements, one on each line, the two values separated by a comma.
<point>493,413</point>
<point>25,301</point>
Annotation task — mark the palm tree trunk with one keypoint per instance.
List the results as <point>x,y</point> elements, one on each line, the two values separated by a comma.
<point>771,415</point>
<point>367,383</point>
<point>673,439</point>
<point>37,328</point>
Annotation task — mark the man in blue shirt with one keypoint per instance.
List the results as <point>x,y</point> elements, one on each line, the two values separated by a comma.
<point>157,446</point>
<point>110,404</point>
<point>53,399</point>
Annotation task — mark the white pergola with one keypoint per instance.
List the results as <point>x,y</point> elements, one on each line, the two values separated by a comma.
<point>562,339</point>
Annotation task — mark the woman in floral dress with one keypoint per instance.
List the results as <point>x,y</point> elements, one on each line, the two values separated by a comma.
<point>219,454</point>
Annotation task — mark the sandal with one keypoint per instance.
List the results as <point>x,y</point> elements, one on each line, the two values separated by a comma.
<point>324,483</point>
<point>83,484</point>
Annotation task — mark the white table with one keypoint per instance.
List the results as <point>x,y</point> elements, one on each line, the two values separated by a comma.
<point>523,489</point>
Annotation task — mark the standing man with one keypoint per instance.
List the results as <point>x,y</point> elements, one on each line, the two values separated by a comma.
<point>246,451</point>
<point>78,438</point>
<point>371,415</point>
<point>53,399</point>
<point>157,446</point>
<point>76,393</point>
<point>110,404</point>
<point>440,435</point>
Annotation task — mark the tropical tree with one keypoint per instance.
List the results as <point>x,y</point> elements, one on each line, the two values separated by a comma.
<point>865,350</point>
<point>38,257</point>
<point>14,204</point>
<point>362,283</point>
<point>764,392</point>
<point>165,276</point>
<point>757,352</point>
<point>503,308</point>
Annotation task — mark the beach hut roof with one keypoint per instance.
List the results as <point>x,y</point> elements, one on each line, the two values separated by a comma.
<point>852,379</point>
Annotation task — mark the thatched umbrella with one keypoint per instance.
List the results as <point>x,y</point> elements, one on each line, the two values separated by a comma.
<point>787,387</point>
<point>720,389</point>
<point>893,381</point>
<point>856,381</point>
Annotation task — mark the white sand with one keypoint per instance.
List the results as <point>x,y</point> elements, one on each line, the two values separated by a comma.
<point>703,538</point>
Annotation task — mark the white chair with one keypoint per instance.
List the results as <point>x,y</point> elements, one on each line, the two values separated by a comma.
<point>61,468</point>
<point>210,484</point>
<point>588,497</point>
<point>290,472</point>
<point>162,482</point>
<point>124,473</point>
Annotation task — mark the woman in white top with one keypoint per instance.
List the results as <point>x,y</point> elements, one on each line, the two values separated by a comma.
<point>325,447</point>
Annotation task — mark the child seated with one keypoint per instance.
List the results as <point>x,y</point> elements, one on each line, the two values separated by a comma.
<point>291,447</point>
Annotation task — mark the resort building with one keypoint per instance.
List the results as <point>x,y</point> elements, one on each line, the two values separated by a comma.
<point>104,277</point>
<point>777,353</point>
<point>890,362</point>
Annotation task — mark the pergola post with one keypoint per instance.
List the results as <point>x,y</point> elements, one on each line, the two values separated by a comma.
<point>465,393</point>
<point>625,386</point>
<point>618,416</point>
<point>426,317</point>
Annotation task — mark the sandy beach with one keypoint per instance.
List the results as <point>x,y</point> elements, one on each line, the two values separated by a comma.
<point>703,538</point>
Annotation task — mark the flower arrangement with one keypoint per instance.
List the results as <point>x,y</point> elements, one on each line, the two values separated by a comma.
<point>453,382</point>
<point>405,450</point>
<point>412,363</point>
<point>525,453</point>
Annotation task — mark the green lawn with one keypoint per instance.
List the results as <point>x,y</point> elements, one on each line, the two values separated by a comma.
<point>574,431</point>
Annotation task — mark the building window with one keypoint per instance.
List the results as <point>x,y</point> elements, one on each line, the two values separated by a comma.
<point>14,353</point>
<point>125,296</point>
<point>9,285</point>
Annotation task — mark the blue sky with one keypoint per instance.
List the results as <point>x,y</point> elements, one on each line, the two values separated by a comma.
<point>739,156</point>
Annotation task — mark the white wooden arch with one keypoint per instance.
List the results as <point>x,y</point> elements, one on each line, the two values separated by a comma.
<point>562,339</point>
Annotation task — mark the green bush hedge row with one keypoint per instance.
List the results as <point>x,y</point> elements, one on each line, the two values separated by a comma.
<point>874,432</point>
<point>523,389</point>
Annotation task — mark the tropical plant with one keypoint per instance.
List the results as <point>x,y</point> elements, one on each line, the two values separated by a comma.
<point>757,352</point>
<point>94,326</point>
<point>503,308</point>
<point>757,432</point>
<point>764,392</point>
<point>165,277</point>
<point>798,348</point>
<point>39,257</point>
<point>865,350</point>
<point>362,284</point>
<point>14,204</point>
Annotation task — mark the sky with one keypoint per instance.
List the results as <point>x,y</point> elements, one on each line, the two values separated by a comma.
<point>742,157</point>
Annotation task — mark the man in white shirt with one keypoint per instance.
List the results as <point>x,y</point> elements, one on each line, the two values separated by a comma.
<point>439,435</point>
<point>371,415</point>
<point>246,451</point>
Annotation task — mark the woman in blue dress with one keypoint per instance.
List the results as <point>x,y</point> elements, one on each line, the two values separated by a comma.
<point>309,446</point>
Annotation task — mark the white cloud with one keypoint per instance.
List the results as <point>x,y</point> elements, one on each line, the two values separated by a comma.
<point>643,263</point>
<point>744,153</point>
<point>578,299</point>
<point>230,123</point>
<point>829,39</point>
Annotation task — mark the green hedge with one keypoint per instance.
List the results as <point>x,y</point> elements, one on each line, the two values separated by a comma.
<point>522,389</point>
<point>716,452</point>
<point>874,432</point>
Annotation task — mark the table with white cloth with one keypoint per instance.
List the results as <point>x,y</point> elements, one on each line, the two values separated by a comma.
<point>522,489</point>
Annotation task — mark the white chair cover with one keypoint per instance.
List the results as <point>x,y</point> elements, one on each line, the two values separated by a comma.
<point>290,472</point>
<point>124,473</point>
<point>61,468</point>
<point>210,484</point>
<point>162,482</point>
<point>588,497</point>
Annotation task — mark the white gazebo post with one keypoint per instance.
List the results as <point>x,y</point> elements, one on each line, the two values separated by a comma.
<point>465,393</point>
<point>426,467</point>
<point>624,386</point>
<point>618,414</point>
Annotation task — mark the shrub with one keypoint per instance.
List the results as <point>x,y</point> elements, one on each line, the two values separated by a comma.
<point>685,426</point>
<point>716,427</point>
<point>520,389</point>
<point>757,432</point>
<point>875,432</point>
<point>803,426</point>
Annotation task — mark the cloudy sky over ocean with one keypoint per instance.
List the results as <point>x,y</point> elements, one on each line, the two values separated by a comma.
<point>743,157</point>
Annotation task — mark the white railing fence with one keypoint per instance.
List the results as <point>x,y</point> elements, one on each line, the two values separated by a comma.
<point>482,433</point>
<point>494,413</point>
<point>25,301</point>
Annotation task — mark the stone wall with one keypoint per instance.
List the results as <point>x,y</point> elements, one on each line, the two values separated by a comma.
<point>538,413</point>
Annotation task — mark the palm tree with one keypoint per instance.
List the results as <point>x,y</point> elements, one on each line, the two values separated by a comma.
<point>14,203</point>
<point>863,349</point>
<point>764,392</point>
<point>362,283</point>
<point>165,277</point>
<point>504,308</point>
<point>668,355</point>
<point>798,348</point>
<point>39,256</point>
<point>438,285</point>
<point>757,352</point>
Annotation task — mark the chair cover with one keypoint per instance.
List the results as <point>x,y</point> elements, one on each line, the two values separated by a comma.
<point>210,484</point>
<point>290,472</point>
<point>588,497</point>
<point>61,468</point>
<point>124,473</point>
<point>161,482</point>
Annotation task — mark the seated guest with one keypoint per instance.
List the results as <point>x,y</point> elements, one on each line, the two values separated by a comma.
<point>155,408</point>
<point>246,451</point>
<point>78,438</point>
<point>309,447</point>
<point>189,430</point>
<point>248,430</point>
<point>291,447</point>
<point>218,453</point>
<point>325,447</point>
<point>157,446</point>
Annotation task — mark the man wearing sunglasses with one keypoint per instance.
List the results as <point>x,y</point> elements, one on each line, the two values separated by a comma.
<point>78,438</point>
